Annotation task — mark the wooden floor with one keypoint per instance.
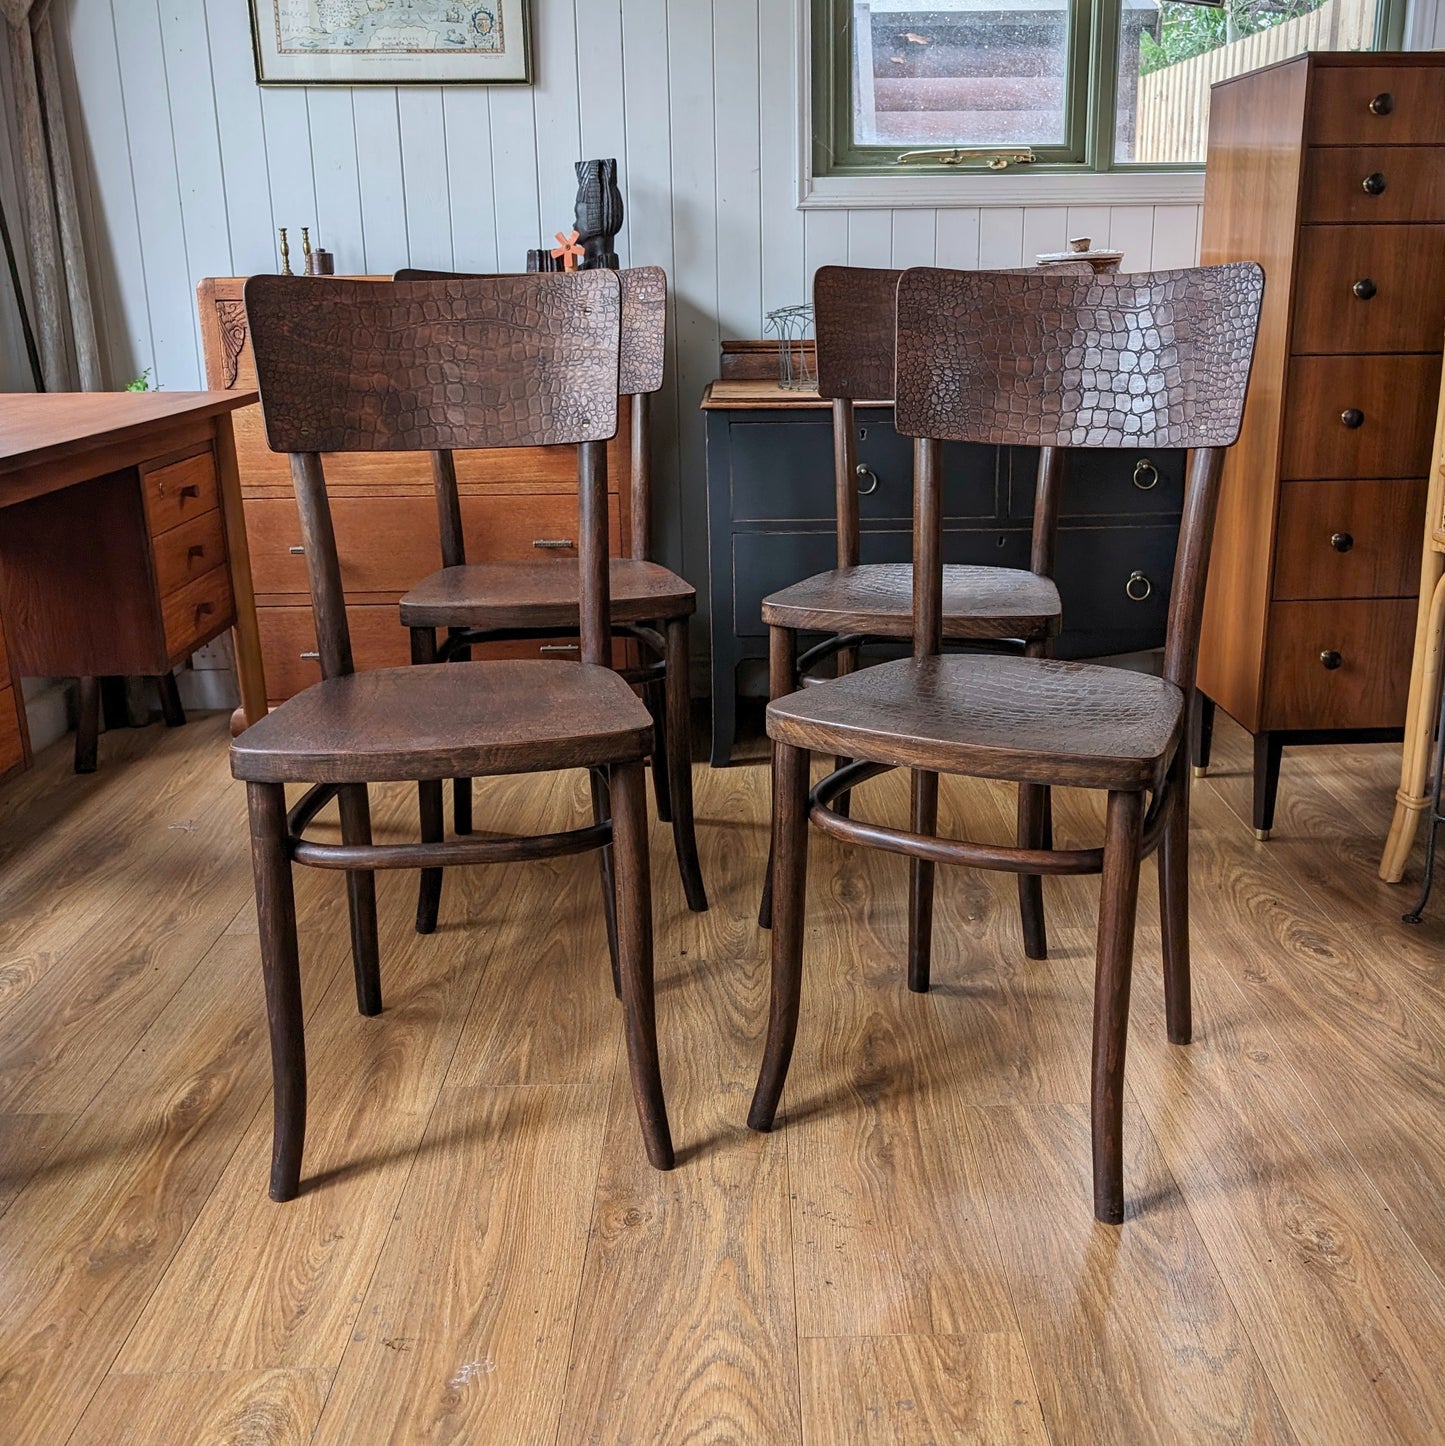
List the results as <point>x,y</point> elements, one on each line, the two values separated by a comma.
<point>481,1253</point>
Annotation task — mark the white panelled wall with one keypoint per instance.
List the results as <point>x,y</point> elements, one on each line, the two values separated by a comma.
<point>187,167</point>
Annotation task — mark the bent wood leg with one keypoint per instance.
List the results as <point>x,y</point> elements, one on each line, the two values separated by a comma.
<point>601,812</point>
<point>634,931</point>
<point>280,967</point>
<point>1174,909</point>
<point>171,709</point>
<point>847,662</point>
<point>430,805</point>
<point>790,881</point>
<point>1034,830</point>
<point>921,877</point>
<point>355,810</point>
<point>245,631</point>
<point>678,756</point>
<point>87,724</point>
<point>1119,898</point>
<point>654,695</point>
<point>782,680</point>
<point>462,787</point>
<point>1268,753</point>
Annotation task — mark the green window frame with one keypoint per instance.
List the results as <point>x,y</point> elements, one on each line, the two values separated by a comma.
<point>1091,71</point>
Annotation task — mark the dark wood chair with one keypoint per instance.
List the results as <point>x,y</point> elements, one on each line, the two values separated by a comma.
<point>1042,361</point>
<point>499,601</point>
<point>1003,608</point>
<point>518,361</point>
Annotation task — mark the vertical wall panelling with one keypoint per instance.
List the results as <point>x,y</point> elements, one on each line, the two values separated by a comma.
<point>1046,228</point>
<point>14,363</point>
<point>1131,230</point>
<point>1001,237</point>
<point>1176,237</point>
<point>956,241</point>
<point>467,115</point>
<point>870,239</point>
<point>516,213</point>
<point>913,238</point>
<point>556,115</point>
<point>376,122</point>
<point>335,170</point>
<point>425,188</point>
<point>602,111</point>
<point>783,280</point>
<point>738,148</point>
<point>1090,221</point>
<point>287,120</point>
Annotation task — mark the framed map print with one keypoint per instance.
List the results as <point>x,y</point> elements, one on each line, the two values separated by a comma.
<point>390,42</point>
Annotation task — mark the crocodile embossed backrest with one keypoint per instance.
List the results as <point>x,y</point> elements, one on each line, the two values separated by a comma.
<point>854,312</point>
<point>644,323</point>
<point>377,366</point>
<point>1156,359</point>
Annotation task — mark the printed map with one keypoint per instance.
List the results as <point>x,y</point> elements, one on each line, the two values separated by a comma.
<point>414,27</point>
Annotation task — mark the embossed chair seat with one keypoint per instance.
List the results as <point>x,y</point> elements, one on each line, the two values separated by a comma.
<point>541,595</point>
<point>877,599</point>
<point>1020,719</point>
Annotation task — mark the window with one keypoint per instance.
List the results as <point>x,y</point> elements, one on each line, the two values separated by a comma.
<point>920,87</point>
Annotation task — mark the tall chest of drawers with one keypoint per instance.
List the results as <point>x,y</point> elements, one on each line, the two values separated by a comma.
<point>1329,169</point>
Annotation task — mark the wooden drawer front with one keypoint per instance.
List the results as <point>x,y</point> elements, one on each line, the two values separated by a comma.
<point>1102,482</point>
<point>5,678</point>
<point>1397,395</point>
<point>1400,272</point>
<point>1334,184</point>
<point>12,741</point>
<point>180,491</point>
<point>189,551</point>
<point>1348,539</point>
<point>1411,97</point>
<point>1368,689</point>
<point>197,612</point>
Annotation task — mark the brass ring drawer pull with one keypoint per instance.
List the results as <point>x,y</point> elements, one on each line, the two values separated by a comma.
<point>1341,541</point>
<point>559,648</point>
<point>1374,183</point>
<point>1146,475</point>
<point>557,543</point>
<point>1331,659</point>
<point>1382,104</point>
<point>1364,288</point>
<point>1352,417</point>
<point>310,657</point>
<point>1138,587</point>
<point>870,475</point>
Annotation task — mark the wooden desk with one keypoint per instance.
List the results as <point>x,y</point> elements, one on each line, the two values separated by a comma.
<point>122,548</point>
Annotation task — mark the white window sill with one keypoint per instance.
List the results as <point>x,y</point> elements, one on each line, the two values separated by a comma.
<point>1013,188</point>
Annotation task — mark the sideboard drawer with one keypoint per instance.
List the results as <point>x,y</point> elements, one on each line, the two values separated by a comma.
<point>1411,181</point>
<point>1364,287</point>
<point>180,491</point>
<point>1396,398</point>
<point>1348,539</point>
<point>1114,585</point>
<point>1121,482</point>
<point>1391,105</point>
<point>1370,637</point>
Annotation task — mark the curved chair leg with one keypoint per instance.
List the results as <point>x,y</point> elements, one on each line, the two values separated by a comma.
<point>847,662</point>
<point>1113,970</point>
<point>921,874</point>
<point>655,696</point>
<point>1174,911</point>
<point>462,806</point>
<point>678,731</point>
<point>790,873</point>
<point>429,804</point>
<point>1034,808</point>
<point>280,966</point>
<point>782,680</point>
<point>361,899</point>
<point>634,910</point>
<point>601,812</point>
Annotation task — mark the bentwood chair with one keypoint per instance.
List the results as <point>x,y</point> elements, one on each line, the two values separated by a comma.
<point>360,366</point>
<point>500,601</point>
<point>1047,361</point>
<point>998,608</point>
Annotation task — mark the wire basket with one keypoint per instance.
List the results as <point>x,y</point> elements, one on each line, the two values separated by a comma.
<point>797,360</point>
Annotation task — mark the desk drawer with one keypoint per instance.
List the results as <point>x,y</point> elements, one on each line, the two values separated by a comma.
<point>187,552</point>
<point>12,739</point>
<point>1397,398</point>
<point>1348,539</point>
<point>1397,270</point>
<point>1346,104</point>
<point>197,612</point>
<point>180,491</point>
<point>1411,178</point>
<point>1373,638</point>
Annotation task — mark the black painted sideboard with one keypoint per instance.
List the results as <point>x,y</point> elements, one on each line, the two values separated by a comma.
<point>771,523</point>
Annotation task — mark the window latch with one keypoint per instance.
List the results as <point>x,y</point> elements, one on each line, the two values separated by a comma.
<point>993,160</point>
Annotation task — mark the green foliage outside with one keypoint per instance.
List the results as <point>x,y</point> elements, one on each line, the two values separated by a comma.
<point>1189,30</point>
<point>141,384</point>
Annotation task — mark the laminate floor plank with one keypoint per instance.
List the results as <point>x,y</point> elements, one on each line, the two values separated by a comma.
<point>26,1143</point>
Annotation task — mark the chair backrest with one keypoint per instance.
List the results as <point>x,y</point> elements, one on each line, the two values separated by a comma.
<point>367,366</point>
<point>1052,361</point>
<point>641,368</point>
<point>855,324</point>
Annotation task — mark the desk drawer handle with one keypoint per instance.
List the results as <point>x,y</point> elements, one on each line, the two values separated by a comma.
<point>204,610</point>
<point>197,550</point>
<point>1341,541</point>
<point>1138,588</point>
<point>1382,104</point>
<point>1352,417</point>
<point>1331,659</point>
<point>310,657</point>
<point>1146,475</point>
<point>1364,288</point>
<point>866,474</point>
<point>1374,183</point>
<point>557,543</point>
<point>559,648</point>
<point>190,490</point>
<point>297,551</point>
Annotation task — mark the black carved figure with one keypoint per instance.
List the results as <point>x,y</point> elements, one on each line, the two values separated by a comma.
<point>599,213</point>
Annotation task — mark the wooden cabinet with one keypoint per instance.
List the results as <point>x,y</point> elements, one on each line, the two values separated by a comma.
<point>14,737</point>
<point>517,504</point>
<point>1330,170</point>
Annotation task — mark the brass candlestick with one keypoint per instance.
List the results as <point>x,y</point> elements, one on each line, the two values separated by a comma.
<point>285,255</point>
<point>306,250</point>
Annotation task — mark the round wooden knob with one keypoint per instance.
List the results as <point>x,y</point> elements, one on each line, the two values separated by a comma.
<point>1364,288</point>
<point>1331,659</point>
<point>1382,104</point>
<point>1341,541</point>
<point>1374,183</point>
<point>1138,587</point>
<point>868,475</point>
<point>1146,475</point>
<point>1352,417</point>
